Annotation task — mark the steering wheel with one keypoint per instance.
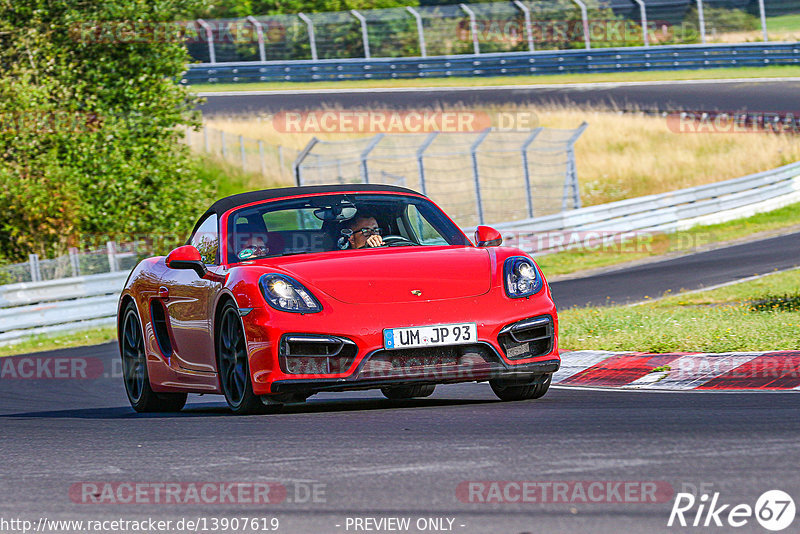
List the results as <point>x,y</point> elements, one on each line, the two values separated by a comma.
<point>396,240</point>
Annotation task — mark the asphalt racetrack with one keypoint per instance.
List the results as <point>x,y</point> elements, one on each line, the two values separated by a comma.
<point>693,271</point>
<point>367,457</point>
<point>355,458</point>
<point>776,96</point>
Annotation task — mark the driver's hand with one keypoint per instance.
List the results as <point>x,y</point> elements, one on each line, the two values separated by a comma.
<point>374,241</point>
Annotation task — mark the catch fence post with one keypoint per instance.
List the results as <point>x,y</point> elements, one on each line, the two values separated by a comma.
<point>473,28</point>
<point>585,18</point>
<point>526,14</point>
<point>111,249</point>
<point>571,180</point>
<point>421,163</point>
<point>643,11</point>
<point>526,171</point>
<point>420,30</point>
<point>300,158</point>
<point>312,39</point>
<point>364,33</point>
<point>365,154</point>
<point>476,173</point>
<point>212,55</point>
<point>36,273</point>
<point>262,54</point>
<point>74,261</point>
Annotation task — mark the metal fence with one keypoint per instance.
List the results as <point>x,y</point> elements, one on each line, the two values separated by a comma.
<point>477,178</point>
<point>42,307</point>
<point>273,162</point>
<point>492,27</point>
<point>113,257</point>
<point>503,64</point>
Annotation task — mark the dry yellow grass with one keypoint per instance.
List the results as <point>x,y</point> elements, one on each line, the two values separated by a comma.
<point>753,36</point>
<point>619,156</point>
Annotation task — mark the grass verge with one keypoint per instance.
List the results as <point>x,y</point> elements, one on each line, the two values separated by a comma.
<point>78,338</point>
<point>759,315</point>
<point>692,240</point>
<point>644,76</point>
<point>225,179</point>
<point>619,156</point>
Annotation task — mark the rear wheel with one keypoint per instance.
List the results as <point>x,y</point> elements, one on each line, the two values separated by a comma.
<point>408,392</point>
<point>233,366</point>
<point>134,370</point>
<point>514,391</point>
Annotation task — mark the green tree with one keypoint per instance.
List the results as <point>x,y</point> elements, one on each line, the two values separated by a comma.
<point>91,122</point>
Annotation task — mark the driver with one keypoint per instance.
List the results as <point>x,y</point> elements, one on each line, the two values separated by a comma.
<point>364,232</point>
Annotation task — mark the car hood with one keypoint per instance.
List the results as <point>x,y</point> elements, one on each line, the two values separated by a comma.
<point>395,274</point>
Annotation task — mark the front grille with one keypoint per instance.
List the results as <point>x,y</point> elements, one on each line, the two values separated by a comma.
<point>429,362</point>
<point>311,354</point>
<point>527,338</point>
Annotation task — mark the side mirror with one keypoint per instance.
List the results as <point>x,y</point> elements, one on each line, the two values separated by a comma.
<point>187,257</point>
<point>486,236</point>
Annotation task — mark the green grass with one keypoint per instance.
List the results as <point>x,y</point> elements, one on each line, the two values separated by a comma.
<point>628,328</point>
<point>225,179</point>
<point>644,76</point>
<point>228,179</point>
<point>78,338</point>
<point>572,261</point>
<point>759,315</point>
<point>784,23</point>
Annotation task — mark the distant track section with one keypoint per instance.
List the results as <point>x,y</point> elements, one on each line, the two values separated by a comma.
<point>596,60</point>
<point>763,95</point>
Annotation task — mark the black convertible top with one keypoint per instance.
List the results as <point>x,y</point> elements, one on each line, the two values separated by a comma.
<point>224,204</point>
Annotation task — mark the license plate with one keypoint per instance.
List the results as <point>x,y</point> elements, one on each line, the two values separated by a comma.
<point>430,336</point>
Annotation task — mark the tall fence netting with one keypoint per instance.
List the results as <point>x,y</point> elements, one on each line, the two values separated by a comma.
<point>481,177</point>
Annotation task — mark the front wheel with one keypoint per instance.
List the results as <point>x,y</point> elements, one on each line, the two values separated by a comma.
<point>535,389</point>
<point>134,369</point>
<point>408,392</point>
<point>233,366</point>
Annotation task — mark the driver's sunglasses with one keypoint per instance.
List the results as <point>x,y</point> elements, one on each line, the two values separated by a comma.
<point>366,232</point>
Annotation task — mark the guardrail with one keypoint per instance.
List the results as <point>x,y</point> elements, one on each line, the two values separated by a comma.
<point>667,212</point>
<point>34,308</point>
<point>501,64</point>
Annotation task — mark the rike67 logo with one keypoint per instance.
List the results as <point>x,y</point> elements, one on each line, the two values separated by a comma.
<point>774,510</point>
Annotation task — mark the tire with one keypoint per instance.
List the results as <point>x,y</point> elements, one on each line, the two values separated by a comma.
<point>408,392</point>
<point>134,369</point>
<point>232,364</point>
<point>518,392</point>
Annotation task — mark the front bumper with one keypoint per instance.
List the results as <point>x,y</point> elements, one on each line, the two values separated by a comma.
<point>371,366</point>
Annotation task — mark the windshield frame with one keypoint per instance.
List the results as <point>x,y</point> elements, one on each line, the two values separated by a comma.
<point>451,231</point>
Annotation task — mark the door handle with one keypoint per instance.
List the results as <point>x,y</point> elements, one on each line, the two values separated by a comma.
<point>163,292</point>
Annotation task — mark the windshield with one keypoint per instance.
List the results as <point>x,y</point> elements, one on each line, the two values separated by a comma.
<point>337,222</point>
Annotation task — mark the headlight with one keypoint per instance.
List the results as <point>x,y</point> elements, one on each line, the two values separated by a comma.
<point>287,294</point>
<point>521,277</point>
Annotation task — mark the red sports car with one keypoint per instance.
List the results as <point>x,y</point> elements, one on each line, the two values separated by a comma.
<point>284,293</point>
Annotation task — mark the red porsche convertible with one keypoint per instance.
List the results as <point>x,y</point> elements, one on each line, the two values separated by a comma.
<point>284,293</point>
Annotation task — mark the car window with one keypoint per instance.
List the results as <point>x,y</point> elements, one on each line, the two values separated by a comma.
<point>423,232</point>
<point>321,224</point>
<point>299,219</point>
<point>206,240</point>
